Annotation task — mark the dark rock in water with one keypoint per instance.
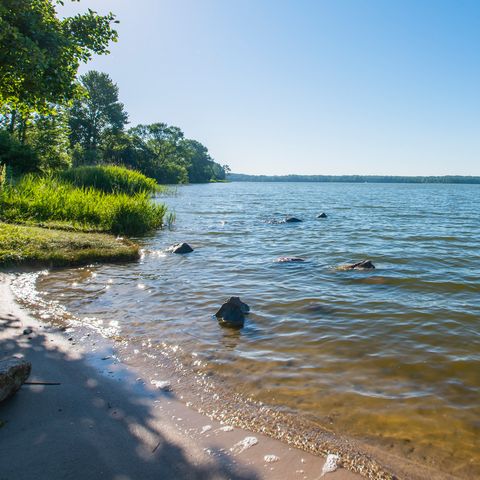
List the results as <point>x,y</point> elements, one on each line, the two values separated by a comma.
<point>13,373</point>
<point>233,311</point>
<point>27,331</point>
<point>236,301</point>
<point>292,220</point>
<point>289,259</point>
<point>181,248</point>
<point>365,265</point>
<point>322,215</point>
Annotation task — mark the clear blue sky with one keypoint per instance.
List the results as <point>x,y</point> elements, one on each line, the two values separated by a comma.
<point>309,87</point>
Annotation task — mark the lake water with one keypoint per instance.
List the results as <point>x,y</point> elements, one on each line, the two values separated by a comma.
<point>389,356</point>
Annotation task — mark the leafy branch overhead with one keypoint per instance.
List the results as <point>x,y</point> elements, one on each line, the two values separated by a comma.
<point>40,53</point>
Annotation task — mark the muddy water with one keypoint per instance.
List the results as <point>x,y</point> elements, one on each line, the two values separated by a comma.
<point>390,356</point>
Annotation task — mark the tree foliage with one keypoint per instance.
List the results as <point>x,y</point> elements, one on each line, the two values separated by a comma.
<point>19,158</point>
<point>48,118</point>
<point>97,113</point>
<point>48,136</point>
<point>40,53</point>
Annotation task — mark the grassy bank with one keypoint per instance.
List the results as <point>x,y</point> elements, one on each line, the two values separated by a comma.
<point>35,246</point>
<point>67,219</point>
<point>110,179</point>
<point>35,200</point>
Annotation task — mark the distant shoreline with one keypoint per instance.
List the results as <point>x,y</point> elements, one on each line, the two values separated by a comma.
<point>446,179</point>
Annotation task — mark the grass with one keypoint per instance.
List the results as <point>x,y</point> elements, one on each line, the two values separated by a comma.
<point>110,179</point>
<point>54,248</point>
<point>40,200</point>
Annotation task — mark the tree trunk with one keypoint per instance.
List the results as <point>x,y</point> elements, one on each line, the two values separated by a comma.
<point>13,117</point>
<point>23,128</point>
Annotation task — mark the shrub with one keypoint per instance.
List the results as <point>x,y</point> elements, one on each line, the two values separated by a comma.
<point>110,179</point>
<point>48,199</point>
<point>21,158</point>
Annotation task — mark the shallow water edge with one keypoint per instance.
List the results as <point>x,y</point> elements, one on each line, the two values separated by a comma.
<point>212,398</point>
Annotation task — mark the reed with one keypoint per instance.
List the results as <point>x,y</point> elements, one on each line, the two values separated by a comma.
<point>40,200</point>
<point>110,179</point>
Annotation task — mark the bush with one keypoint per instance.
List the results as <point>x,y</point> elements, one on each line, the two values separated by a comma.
<point>110,179</point>
<point>48,199</point>
<point>21,158</point>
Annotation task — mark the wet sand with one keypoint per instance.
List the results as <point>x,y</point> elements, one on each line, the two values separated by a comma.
<point>104,422</point>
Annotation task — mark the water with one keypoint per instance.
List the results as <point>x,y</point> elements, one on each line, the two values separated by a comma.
<point>389,356</point>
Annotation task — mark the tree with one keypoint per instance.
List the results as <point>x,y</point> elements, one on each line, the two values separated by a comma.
<point>97,113</point>
<point>201,167</point>
<point>40,53</point>
<point>158,152</point>
<point>19,158</point>
<point>48,136</point>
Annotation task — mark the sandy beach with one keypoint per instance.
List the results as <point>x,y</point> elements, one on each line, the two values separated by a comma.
<point>103,422</point>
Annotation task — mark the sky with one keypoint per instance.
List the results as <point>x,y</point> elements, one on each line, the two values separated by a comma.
<point>387,87</point>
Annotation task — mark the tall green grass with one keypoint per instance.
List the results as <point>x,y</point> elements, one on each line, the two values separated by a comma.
<point>47,199</point>
<point>110,179</point>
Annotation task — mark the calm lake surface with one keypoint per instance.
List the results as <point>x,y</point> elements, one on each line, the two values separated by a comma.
<point>389,356</point>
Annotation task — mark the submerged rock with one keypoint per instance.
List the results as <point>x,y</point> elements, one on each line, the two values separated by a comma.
<point>322,215</point>
<point>181,248</point>
<point>13,373</point>
<point>289,259</point>
<point>292,220</point>
<point>365,265</point>
<point>233,312</point>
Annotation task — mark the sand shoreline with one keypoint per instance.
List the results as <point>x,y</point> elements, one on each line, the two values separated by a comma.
<point>102,421</point>
<point>104,394</point>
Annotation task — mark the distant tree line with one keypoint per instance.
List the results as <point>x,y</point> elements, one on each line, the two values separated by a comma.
<point>50,120</point>
<point>240,177</point>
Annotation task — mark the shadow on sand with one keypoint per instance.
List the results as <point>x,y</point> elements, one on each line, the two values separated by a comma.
<point>91,426</point>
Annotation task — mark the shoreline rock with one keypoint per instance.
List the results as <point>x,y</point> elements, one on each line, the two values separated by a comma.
<point>233,312</point>
<point>363,265</point>
<point>180,248</point>
<point>13,374</point>
<point>289,259</point>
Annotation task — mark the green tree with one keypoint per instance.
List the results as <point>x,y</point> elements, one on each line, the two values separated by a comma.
<point>200,164</point>
<point>49,138</point>
<point>19,158</point>
<point>40,53</point>
<point>158,152</point>
<point>97,113</point>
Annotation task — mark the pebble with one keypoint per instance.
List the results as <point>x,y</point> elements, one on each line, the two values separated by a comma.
<point>164,385</point>
<point>206,428</point>
<point>271,458</point>
<point>331,464</point>
<point>226,428</point>
<point>243,445</point>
